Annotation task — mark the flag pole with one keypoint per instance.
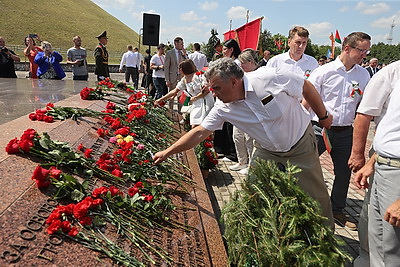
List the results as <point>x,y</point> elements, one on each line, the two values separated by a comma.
<point>333,47</point>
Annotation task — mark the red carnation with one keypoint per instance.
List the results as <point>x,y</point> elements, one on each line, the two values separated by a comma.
<point>148,198</point>
<point>110,105</point>
<point>33,117</point>
<point>208,145</point>
<point>73,232</point>
<point>40,173</point>
<point>12,146</point>
<point>99,191</point>
<point>117,173</point>
<point>54,173</point>
<point>123,131</point>
<point>48,119</point>
<point>49,106</point>
<point>133,191</point>
<point>87,152</point>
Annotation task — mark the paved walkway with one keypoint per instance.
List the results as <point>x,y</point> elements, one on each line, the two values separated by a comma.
<point>222,182</point>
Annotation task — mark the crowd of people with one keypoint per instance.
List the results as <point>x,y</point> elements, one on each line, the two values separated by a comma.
<point>289,107</point>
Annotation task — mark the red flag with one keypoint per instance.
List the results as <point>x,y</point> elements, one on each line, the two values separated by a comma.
<point>230,35</point>
<point>246,35</point>
<point>278,44</point>
<point>337,37</point>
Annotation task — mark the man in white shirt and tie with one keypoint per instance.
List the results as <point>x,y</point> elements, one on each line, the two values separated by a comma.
<point>341,84</point>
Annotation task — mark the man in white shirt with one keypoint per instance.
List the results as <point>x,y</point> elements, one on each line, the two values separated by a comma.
<point>373,105</point>
<point>341,84</point>
<point>295,60</point>
<point>132,62</point>
<point>264,103</point>
<point>199,59</point>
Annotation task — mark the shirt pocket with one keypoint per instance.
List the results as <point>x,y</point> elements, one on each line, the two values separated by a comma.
<point>272,109</point>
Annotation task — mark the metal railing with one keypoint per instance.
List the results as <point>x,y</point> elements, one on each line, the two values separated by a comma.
<point>113,57</point>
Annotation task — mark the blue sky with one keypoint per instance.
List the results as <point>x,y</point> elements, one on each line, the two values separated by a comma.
<point>193,20</point>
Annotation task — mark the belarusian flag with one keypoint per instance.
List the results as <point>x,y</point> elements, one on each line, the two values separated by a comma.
<point>337,37</point>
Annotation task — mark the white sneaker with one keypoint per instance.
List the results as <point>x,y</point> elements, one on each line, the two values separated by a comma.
<point>237,167</point>
<point>244,171</point>
<point>225,159</point>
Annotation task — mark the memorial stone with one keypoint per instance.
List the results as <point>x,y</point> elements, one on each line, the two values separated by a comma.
<point>24,208</point>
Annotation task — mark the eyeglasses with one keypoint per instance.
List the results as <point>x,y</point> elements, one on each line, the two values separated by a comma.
<point>363,51</point>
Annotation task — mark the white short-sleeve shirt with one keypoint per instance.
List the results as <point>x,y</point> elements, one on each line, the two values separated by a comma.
<point>158,61</point>
<point>277,125</point>
<point>377,93</point>
<point>340,90</point>
<point>387,137</point>
<point>304,66</point>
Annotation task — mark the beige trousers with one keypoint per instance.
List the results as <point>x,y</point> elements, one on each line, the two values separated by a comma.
<point>305,156</point>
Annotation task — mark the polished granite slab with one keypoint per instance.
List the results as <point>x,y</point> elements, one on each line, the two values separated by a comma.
<point>19,97</point>
<point>25,244</point>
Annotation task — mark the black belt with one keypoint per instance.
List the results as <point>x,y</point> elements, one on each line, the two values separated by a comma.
<point>340,128</point>
<point>132,67</point>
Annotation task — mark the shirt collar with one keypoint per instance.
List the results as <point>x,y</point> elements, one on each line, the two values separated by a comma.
<point>339,65</point>
<point>247,86</point>
<point>288,58</point>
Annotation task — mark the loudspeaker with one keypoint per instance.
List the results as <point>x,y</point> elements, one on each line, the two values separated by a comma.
<point>151,29</point>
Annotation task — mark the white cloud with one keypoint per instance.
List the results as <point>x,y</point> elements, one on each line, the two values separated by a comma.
<point>379,38</point>
<point>237,12</point>
<point>344,9</point>
<point>372,9</point>
<point>208,5</point>
<point>197,32</point>
<point>319,29</point>
<point>139,15</point>
<point>190,16</point>
<point>385,22</point>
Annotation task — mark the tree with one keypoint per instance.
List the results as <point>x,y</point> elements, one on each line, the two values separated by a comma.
<point>385,53</point>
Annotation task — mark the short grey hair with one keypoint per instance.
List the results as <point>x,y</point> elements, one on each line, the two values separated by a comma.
<point>224,68</point>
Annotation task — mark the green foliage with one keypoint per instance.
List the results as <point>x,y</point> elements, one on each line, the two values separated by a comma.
<point>272,222</point>
<point>385,53</point>
<point>208,49</point>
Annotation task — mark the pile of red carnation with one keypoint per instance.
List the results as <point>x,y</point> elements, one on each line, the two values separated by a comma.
<point>24,144</point>
<point>63,217</point>
<point>106,82</point>
<point>40,114</point>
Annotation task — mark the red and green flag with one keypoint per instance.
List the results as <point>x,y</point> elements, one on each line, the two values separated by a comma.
<point>337,37</point>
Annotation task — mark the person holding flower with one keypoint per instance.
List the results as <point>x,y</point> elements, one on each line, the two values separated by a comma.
<point>193,85</point>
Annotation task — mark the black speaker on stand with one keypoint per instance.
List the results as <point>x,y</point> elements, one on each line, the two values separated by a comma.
<point>151,29</point>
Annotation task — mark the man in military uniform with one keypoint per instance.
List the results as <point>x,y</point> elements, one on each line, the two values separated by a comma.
<point>101,57</point>
<point>218,50</point>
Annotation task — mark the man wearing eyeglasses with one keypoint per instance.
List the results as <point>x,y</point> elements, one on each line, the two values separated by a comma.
<point>295,60</point>
<point>341,85</point>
